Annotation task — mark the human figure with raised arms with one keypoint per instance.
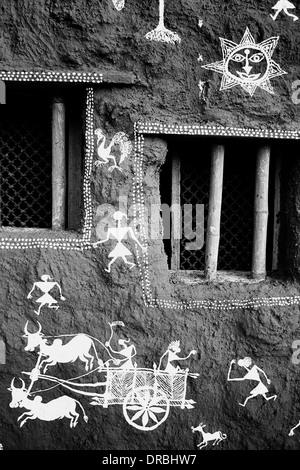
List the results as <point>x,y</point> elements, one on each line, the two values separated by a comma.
<point>45,286</point>
<point>253,373</point>
<point>285,6</point>
<point>119,233</point>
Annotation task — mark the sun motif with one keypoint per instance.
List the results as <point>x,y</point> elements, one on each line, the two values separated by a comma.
<point>247,64</point>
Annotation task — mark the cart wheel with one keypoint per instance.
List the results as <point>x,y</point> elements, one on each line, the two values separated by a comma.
<point>146,408</point>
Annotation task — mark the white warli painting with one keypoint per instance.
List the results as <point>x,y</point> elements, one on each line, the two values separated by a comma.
<point>284,6</point>
<point>161,33</point>
<point>207,437</point>
<point>292,431</point>
<point>145,394</point>
<point>106,151</point>
<point>46,285</point>
<point>247,64</point>
<point>61,407</point>
<point>120,234</point>
<point>119,4</point>
<point>151,297</point>
<point>253,373</point>
<point>202,94</point>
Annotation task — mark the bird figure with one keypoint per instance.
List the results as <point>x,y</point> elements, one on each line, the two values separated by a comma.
<point>104,151</point>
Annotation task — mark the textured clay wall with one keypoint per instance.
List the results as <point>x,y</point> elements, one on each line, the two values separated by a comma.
<point>88,35</point>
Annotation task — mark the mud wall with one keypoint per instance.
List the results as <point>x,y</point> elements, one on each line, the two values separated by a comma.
<point>80,35</point>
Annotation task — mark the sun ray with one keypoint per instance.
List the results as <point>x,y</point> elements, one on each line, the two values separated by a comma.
<point>246,56</point>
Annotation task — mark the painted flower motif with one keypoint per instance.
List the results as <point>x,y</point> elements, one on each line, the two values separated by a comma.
<point>147,408</point>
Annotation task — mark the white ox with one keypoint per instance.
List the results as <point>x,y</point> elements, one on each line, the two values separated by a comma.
<point>62,407</point>
<point>57,352</point>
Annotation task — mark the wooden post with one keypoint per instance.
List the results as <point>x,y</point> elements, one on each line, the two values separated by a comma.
<point>261,213</point>
<point>175,214</point>
<point>74,168</point>
<point>58,163</point>
<point>276,231</point>
<point>214,212</point>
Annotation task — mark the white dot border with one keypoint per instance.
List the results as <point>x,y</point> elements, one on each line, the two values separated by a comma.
<point>67,243</point>
<point>150,300</point>
<point>50,76</point>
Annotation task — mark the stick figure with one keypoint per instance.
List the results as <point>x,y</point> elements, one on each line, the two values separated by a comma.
<point>128,352</point>
<point>252,374</point>
<point>283,5</point>
<point>171,354</point>
<point>45,286</point>
<point>120,250</point>
<point>291,433</point>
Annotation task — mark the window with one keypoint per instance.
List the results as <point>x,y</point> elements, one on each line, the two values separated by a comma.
<point>224,195</point>
<point>41,148</point>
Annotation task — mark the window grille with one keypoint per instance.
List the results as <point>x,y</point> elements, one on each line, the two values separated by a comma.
<point>41,147</point>
<point>25,171</point>
<point>238,195</point>
<point>195,174</point>
<point>235,248</point>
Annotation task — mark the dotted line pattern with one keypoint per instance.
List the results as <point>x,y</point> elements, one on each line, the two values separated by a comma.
<point>45,76</point>
<point>68,243</point>
<point>139,207</point>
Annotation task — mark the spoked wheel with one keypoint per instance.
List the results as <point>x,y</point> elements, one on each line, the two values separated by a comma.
<point>146,408</point>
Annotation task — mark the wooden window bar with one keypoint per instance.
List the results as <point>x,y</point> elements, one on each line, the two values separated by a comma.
<point>261,213</point>
<point>59,177</point>
<point>176,216</point>
<point>214,212</point>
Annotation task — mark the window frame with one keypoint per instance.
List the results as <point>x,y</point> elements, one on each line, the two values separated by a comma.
<point>261,212</point>
<point>18,238</point>
<point>143,129</point>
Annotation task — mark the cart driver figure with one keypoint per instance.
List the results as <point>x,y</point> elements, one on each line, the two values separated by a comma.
<point>171,355</point>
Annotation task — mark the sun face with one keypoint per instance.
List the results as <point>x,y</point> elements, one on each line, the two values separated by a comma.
<point>247,64</point>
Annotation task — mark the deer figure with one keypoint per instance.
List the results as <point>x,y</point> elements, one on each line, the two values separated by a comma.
<point>217,436</point>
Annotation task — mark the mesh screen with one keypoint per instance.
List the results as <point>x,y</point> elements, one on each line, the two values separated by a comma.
<point>236,239</point>
<point>236,231</point>
<point>195,177</point>
<point>25,164</point>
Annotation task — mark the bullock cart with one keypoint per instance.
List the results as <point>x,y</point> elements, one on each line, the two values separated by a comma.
<point>146,395</point>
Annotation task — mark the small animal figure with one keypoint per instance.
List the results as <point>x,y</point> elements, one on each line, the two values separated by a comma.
<point>217,436</point>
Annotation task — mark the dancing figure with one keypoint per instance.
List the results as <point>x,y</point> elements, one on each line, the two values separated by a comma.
<point>285,6</point>
<point>45,286</point>
<point>119,233</point>
<point>252,374</point>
